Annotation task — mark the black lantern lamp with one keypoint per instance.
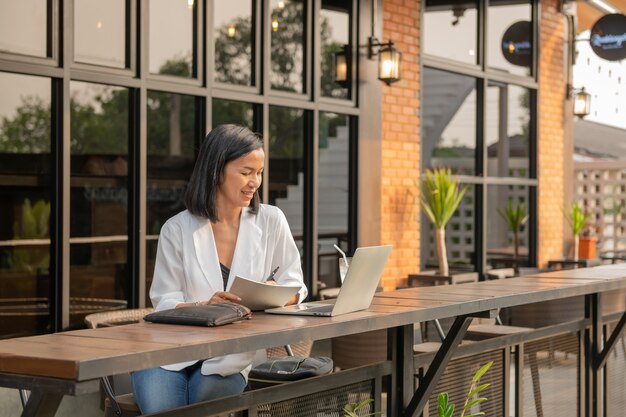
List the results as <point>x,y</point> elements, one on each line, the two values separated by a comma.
<point>389,60</point>
<point>342,68</point>
<point>582,103</point>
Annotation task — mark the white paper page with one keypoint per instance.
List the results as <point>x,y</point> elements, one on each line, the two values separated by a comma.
<point>259,296</point>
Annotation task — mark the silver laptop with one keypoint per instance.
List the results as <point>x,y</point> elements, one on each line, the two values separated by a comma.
<point>358,287</point>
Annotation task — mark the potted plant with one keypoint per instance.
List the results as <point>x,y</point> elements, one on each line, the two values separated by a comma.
<point>577,220</point>
<point>440,197</point>
<point>446,409</point>
<point>515,217</point>
<point>587,242</point>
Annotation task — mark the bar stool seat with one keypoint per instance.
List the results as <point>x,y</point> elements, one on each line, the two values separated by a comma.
<point>486,331</point>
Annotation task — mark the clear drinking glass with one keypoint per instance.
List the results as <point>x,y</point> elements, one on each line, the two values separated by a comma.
<point>343,267</point>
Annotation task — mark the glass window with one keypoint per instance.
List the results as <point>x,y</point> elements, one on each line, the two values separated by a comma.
<point>460,232</point>
<point>171,155</point>
<point>508,130</point>
<point>333,193</point>
<point>237,112</point>
<point>99,192</point>
<point>286,165</point>
<point>25,199</point>
<point>287,45</point>
<point>24,27</point>
<point>100,32</point>
<point>172,37</point>
<point>509,36</point>
<point>450,30</point>
<point>335,38</point>
<point>502,201</point>
<point>449,121</point>
<point>233,31</point>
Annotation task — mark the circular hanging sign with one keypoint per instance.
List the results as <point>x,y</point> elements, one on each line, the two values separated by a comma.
<point>516,45</point>
<point>608,37</point>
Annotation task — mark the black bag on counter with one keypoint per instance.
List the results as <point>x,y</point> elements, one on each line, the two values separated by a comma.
<point>209,315</point>
<point>283,369</point>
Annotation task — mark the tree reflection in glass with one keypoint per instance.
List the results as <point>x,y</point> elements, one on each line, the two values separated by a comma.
<point>171,155</point>
<point>507,130</point>
<point>335,35</point>
<point>171,36</point>
<point>25,202</point>
<point>99,191</point>
<point>449,121</point>
<point>233,42</point>
<point>286,164</point>
<point>171,147</point>
<point>287,45</point>
<point>229,111</point>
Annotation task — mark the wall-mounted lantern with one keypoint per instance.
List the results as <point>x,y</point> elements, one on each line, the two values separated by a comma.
<point>342,67</point>
<point>389,60</point>
<point>582,103</point>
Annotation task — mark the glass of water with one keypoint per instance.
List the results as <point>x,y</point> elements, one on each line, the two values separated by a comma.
<point>343,267</point>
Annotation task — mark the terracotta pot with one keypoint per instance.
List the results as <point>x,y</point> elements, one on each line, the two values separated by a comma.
<point>587,248</point>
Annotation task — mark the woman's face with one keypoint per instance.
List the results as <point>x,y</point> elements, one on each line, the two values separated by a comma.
<point>241,178</point>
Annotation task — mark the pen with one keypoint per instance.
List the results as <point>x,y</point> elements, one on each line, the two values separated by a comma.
<point>272,274</point>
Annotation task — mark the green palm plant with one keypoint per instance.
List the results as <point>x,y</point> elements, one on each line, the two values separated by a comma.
<point>577,220</point>
<point>515,217</point>
<point>440,197</point>
<point>446,409</point>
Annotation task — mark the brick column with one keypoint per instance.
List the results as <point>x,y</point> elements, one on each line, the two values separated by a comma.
<point>401,145</point>
<point>550,147</point>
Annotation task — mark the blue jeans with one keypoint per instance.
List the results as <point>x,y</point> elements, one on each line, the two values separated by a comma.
<point>157,389</point>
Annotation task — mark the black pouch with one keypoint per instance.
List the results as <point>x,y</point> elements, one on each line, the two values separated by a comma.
<point>280,370</point>
<point>209,315</point>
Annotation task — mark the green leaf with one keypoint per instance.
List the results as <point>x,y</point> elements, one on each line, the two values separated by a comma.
<point>442,399</point>
<point>482,371</point>
<point>480,413</point>
<point>577,218</point>
<point>473,403</point>
<point>350,409</point>
<point>477,390</point>
<point>514,216</point>
<point>444,409</point>
<point>440,195</point>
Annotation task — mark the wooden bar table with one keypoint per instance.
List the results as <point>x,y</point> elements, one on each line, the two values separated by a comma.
<point>71,363</point>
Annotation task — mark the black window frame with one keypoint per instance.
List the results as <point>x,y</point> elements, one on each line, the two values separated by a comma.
<point>483,74</point>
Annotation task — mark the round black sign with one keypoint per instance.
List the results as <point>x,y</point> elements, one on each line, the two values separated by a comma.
<point>608,37</point>
<point>516,45</point>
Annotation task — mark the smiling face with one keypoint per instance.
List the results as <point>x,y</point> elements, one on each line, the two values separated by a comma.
<point>241,179</point>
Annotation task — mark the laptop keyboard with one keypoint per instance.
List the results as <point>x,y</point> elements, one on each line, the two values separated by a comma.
<point>315,307</point>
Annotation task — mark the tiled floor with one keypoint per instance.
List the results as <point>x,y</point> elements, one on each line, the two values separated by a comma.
<point>83,406</point>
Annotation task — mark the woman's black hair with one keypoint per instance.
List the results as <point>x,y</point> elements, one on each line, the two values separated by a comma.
<point>223,144</point>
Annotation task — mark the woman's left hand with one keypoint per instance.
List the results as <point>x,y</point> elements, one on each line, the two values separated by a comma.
<point>292,301</point>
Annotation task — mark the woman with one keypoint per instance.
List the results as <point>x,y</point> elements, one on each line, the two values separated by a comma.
<point>224,232</point>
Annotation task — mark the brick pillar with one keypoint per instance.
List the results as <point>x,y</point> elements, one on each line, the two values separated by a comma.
<point>550,148</point>
<point>401,145</point>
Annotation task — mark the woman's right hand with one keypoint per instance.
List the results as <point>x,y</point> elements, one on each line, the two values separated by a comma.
<point>221,297</point>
